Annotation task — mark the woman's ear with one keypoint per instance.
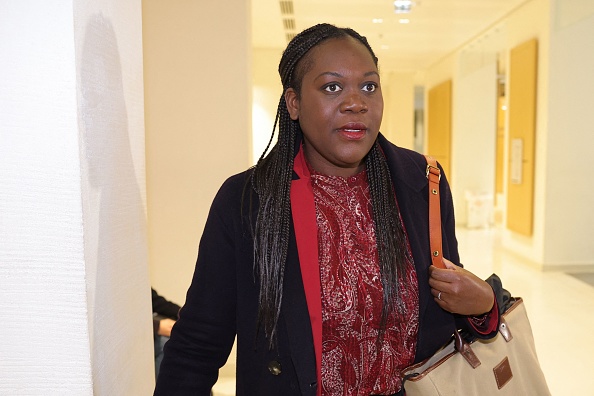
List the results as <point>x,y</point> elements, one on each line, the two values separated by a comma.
<point>292,101</point>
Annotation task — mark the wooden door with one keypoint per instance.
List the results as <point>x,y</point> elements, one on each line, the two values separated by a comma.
<point>439,124</point>
<point>522,131</point>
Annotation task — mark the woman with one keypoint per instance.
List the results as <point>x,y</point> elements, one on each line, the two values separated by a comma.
<point>318,258</point>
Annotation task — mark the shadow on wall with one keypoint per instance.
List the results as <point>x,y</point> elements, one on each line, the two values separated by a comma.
<point>114,217</point>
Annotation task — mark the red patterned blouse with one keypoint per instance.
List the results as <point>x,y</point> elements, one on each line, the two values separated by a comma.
<point>352,362</point>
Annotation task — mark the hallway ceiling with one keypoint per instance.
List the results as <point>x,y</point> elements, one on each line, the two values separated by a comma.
<point>435,29</point>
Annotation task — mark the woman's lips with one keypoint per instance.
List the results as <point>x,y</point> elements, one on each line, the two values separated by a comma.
<point>353,131</point>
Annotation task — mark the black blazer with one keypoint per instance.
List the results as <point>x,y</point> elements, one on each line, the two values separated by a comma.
<point>222,301</point>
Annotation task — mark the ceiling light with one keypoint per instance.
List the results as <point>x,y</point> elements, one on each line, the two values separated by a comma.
<point>404,21</point>
<point>378,20</point>
<point>403,6</point>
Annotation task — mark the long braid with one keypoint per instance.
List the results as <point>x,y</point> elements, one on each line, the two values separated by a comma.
<point>390,236</point>
<point>271,180</point>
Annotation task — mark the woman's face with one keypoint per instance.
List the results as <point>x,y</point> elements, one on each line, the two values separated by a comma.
<point>340,106</point>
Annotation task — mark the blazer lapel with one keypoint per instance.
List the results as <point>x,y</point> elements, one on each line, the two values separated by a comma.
<point>306,235</point>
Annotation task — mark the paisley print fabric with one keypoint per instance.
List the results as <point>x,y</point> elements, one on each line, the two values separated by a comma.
<point>353,363</point>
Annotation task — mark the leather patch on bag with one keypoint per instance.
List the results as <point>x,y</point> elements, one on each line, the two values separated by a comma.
<point>503,373</point>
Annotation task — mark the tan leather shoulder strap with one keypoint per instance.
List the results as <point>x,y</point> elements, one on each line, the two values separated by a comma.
<point>434,176</point>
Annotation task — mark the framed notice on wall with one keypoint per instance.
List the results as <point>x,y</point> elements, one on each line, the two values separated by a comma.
<point>516,157</point>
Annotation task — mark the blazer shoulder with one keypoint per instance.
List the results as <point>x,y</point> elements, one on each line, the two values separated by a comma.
<point>235,187</point>
<point>406,165</point>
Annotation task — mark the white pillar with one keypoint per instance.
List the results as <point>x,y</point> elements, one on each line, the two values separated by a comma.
<point>74,289</point>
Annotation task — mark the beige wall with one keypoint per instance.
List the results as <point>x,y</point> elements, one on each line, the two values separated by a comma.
<point>198,120</point>
<point>267,90</point>
<point>399,107</point>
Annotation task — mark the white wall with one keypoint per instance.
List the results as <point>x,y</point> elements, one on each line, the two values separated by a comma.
<point>74,298</point>
<point>108,39</point>
<point>42,268</point>
<point>568,238</point>
<point>474,136</point>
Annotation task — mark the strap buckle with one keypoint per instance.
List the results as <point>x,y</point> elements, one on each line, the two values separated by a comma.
<point>434,170</point>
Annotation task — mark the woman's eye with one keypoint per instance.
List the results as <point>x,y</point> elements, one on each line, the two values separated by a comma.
<point>332,88</point>
<point>370,87</point>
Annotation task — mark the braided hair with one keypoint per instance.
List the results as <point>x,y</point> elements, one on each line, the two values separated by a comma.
<point>271,180</point>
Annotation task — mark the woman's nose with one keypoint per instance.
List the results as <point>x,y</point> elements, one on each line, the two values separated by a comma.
<point>354,102</point>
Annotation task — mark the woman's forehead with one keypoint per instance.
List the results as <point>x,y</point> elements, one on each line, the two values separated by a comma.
<point>346,52</point>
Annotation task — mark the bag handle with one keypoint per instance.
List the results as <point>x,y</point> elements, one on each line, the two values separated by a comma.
<point>433,174</point>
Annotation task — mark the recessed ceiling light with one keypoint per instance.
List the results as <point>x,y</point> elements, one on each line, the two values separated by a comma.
<point>404,21</point>
<point>378,20</point>
<point>385,47</point>
<point>403,6</point>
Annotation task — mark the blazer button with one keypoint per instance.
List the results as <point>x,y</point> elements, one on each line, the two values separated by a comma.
<point>274,367</point>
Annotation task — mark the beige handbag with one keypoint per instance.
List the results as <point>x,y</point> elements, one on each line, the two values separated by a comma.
<point>504,365</point>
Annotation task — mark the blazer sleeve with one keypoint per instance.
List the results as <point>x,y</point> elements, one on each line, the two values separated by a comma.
<point>164,307</point>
